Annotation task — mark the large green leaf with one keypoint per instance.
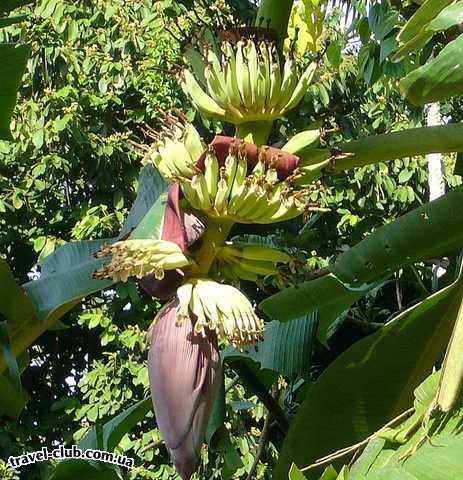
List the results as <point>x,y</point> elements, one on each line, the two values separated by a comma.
<point>12,400</point>
<point>371,382</point>
<point>438,79</point>
<point>447,18</point>
<point>421,18</point>
<point>428,231</point>
<point>17,308</point>
<point>13,60</point>
<point>66,275</point>
<point>422,26</point>
<point>402,144</point>
<point>438,456</point>
<point>286,348</point>
<point>327,295</point>
<point>151,186</point>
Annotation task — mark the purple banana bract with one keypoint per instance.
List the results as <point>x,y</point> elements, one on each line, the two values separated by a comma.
<point>184,370</point>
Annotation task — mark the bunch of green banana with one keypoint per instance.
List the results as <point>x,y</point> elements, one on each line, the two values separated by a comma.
<point>176,150</point>
<point>139,258</point>
<point>244,81</point>
<point>313,158</point>
<point>249,262</point>
<point>220,308</point>
<point>231,192</point>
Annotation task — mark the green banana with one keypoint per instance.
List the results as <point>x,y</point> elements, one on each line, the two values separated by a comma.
<point>258,252</point>
<point>199,98</point>
<point>288,83</point>
<point>300,89</point>
<point>258,266</point>
<point>193,142</point>
<point>253,68</point>
<point>230,76</point>
<point>190,194</point>
<point>222,202</point>
<point>243,274</point>
<point>265,72</point>
<point>243,76</point>
<point>198,182</point>
<point>215,88</point>
<point>211,173</point>
<point>275,79</point>
<point>303,142</point>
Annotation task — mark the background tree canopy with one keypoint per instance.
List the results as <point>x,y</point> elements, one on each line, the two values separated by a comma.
<point>96,75</point>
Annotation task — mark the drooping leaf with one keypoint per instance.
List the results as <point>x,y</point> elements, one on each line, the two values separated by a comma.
<point>371,382</point>
<point>67,274</point>
<point>10,359</point>
<point>6,21</point>
<point>417,235</point>
<point>427,12</point>
<point>17,308</point>
<point>66,277</point>
<point>13,60</point>
<point>439,79</point>
<point>12,400</point>
<point>447,18</point>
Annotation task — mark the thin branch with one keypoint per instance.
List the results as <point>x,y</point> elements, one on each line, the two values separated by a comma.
<point>321,272</point>
<point>398,292</point>
<point>263,437</point>
<point>421,284</point>
<point>151,445</point>
<point>247,375</point>
<point>235,380</point>
<point>345,451</point>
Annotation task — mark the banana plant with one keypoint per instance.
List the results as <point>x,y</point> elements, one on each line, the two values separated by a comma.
<point>177,245</point>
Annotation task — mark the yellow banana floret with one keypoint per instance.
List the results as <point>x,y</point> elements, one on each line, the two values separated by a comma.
<point>176,150</point>
<point>220,308</point>
<point>138,258</point>
<point>231,192</point>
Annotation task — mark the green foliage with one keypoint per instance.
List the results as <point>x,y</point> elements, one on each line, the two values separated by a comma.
<point>13,61</point>
<point>327,295</point>
<point>439,79</point>
<point>286,347</point>
<point>351,400</point>
<point>97,73</point>
<point>415,236</point>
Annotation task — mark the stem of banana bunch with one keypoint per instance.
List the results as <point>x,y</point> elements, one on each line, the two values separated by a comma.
<point>254,132</point>
<point>216,233</point>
